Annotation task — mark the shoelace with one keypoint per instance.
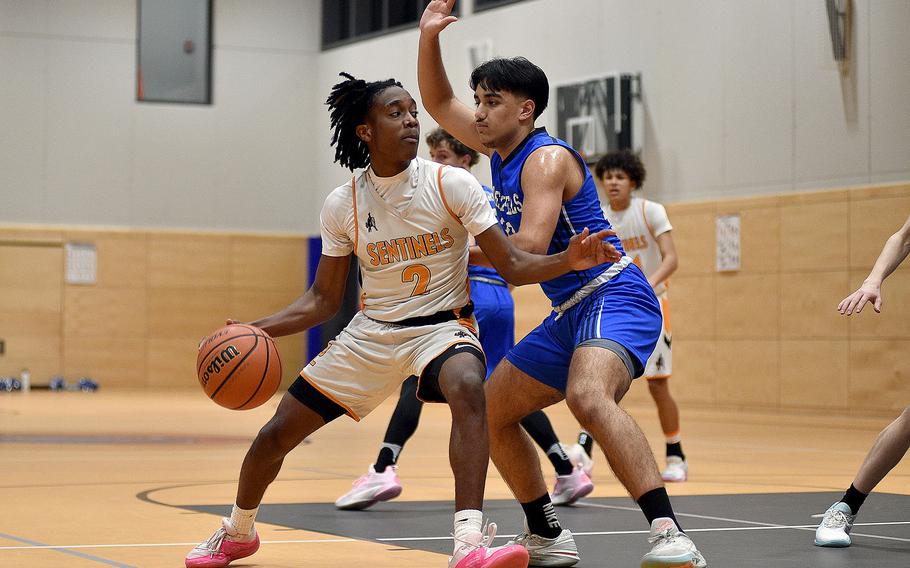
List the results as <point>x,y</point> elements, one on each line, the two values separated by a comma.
<point>835,520</point>
<point>663,536</point>
<point>213,544</point>
<point>523,539</point>
<point>488,528</point>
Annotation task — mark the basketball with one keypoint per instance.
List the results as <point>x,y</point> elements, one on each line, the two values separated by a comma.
<point>238,366</point>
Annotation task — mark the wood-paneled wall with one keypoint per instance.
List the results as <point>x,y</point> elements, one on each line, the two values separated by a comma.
<point>156,295</point>
<point>769,336</point>
<point>766,336</point>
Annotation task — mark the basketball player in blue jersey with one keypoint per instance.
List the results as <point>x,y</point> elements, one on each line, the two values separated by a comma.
<point>495,313</point>
<point>605,322</point>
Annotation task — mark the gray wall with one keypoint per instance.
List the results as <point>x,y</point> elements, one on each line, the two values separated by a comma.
<point>741,97</point>
<point>76,147</point>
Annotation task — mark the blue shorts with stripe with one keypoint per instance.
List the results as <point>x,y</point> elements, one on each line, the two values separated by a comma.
<point>622,315</point>
<point>495,313</point>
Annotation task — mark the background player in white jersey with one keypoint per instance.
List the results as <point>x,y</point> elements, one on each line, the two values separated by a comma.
<point>892,443</point>
<point>645,232</point>
<point>495,313</point>
<point>408,222</point>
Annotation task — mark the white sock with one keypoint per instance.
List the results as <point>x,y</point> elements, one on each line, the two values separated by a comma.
<point>673,438</point>
<point>243,519</point>
<point>468,522</point>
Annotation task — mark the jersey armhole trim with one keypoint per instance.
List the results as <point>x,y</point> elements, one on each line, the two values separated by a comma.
<point>645,218</point>
<point>354,204</point>
<point>443,195</point>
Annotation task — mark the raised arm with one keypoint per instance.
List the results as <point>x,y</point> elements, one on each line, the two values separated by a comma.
<point>896,249</point>
<point>519,267</point>
<point>316,305</point>
<point>435,90</point>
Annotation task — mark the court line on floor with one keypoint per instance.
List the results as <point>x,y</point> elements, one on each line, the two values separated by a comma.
<point>35,544</point>
<point>743,521</point>
<point>764,526</point>
<point>165,544</point>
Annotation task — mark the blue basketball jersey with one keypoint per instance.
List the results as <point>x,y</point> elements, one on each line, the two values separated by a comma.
<point>583,210</point>
<point>486,271</point>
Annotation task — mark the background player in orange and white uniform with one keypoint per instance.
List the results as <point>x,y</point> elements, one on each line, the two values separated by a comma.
<point>645,232</point>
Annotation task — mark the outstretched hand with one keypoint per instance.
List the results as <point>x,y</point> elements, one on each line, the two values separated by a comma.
<point>437,16</point>
<point>587,250</point>
<point>855,302</point>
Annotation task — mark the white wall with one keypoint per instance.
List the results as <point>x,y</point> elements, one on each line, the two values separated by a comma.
<point>76,147</point>
<point>740,98</point>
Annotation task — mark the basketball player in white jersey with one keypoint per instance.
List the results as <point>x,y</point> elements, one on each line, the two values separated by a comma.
<point>645,232</point>
<point>408,222</point>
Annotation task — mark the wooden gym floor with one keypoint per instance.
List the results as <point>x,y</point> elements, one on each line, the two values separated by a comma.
<point>124,478</point>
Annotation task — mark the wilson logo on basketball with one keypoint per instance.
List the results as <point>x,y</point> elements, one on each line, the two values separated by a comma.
<point>219,362</point>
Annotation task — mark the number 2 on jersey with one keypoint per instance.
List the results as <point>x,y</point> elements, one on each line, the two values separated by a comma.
<point>417,272</point>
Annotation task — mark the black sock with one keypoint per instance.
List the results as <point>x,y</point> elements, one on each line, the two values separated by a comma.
<point>561,462</point>
<point>385,459</point>
<point>541,517</point>
<point>656,504</point>
<point>587,442</point>
<point>854,498</point>
<point>402,425</point>
<point>675,450</point>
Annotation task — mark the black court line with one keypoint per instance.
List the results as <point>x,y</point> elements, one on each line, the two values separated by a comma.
<point>733,531</point>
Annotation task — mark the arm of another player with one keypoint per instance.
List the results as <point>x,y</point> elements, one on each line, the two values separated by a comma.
<point>518,267</point>
<point>668,260</point>
<point>435,90</point>
<point>896,249</point>
<point>316,305</point>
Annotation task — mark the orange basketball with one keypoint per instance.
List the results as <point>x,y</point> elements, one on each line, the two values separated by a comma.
<point>238,366</point>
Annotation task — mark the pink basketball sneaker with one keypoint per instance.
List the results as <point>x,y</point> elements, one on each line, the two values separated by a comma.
<point>570,488</point>
<point>222,548</point>
<point>476,552</point>
<point>370,489</point>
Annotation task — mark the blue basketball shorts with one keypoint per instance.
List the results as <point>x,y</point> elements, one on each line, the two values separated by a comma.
<point>622,315</point>
<point>495,313</point>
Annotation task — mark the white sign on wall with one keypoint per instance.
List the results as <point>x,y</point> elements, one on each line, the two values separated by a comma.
<point>81,263</point>
<point>727,238</point>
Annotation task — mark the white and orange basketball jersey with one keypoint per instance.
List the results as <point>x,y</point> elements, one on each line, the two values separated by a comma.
<point>410,233</point>
<point>638,227</point>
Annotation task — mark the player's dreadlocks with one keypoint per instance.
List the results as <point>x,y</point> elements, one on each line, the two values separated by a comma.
<point>349,102</point>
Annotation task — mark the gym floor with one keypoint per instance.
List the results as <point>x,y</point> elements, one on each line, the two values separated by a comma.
<point>137,478</point>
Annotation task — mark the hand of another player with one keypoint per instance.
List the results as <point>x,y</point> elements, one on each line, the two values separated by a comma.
<point>855,302</point>
<point>587,250</point>
<point>437,16</point>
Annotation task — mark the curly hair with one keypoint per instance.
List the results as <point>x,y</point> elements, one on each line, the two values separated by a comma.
<point>438,136</point>
<point>349,102</point>
<point>624,160</point>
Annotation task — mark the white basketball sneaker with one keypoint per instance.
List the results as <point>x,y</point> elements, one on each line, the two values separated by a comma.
<point>677,470</point>
<point>834,530</point>
<point>559,551</point>
<point>671,548</point>
<point>579,457</point>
